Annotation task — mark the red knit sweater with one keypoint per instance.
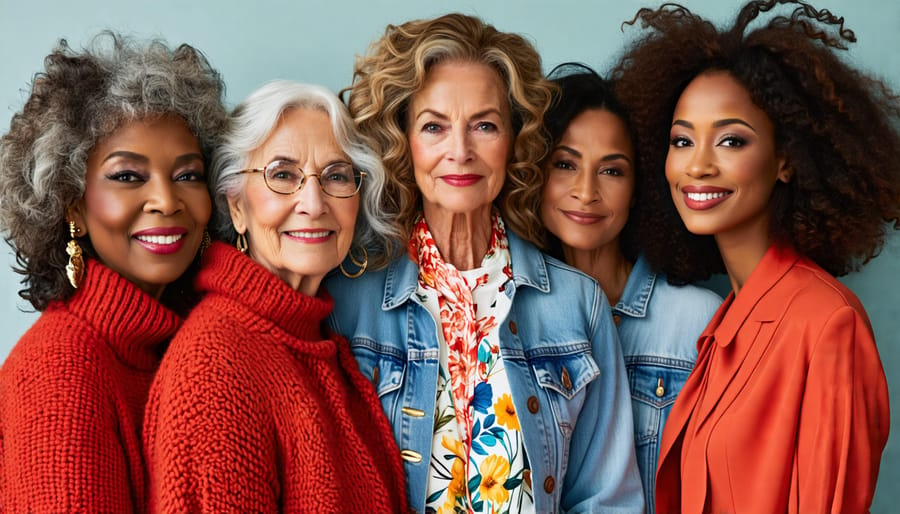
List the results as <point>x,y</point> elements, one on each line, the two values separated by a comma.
<point>255,410</point>
<point>72,395</point>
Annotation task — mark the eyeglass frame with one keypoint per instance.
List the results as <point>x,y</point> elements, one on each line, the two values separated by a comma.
<point>362,175</point>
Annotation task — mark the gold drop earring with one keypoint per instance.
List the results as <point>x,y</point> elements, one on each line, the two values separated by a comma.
<point>75,267</point>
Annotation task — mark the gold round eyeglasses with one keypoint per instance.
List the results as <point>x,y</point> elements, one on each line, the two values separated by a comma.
<point>338,180</point>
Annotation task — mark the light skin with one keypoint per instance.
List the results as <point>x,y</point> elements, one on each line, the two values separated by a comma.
<point>722,167</point>
<point>145,202</point>
<point>588,195</point>
<point>302,236</point>
<point>460,139</point>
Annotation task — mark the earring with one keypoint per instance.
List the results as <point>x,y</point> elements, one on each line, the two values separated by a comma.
<point>75,267</point>
<point>205,242</point>
<point>241,243</point>
<point>361,265</point>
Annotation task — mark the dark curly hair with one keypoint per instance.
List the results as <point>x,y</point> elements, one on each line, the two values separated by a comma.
<point>580,89</point>
<point>79,98</point>
<point>396,66</point>
<point>835,125</point>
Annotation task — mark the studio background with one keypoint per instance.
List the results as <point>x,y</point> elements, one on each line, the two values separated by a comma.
<point>316,41</point>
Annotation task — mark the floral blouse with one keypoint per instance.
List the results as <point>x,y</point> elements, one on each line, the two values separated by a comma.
<point>478,461</point>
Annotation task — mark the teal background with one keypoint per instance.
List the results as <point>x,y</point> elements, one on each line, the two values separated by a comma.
<point>316,41</point>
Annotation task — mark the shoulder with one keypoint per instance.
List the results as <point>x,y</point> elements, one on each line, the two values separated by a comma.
<point>809,289</point>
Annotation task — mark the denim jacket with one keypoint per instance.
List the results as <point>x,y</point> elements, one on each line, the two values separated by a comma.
<point>564,365</point>
<point>658,327</point>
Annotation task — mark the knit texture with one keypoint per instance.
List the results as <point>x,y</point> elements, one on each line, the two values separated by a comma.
<point>72,396</point>
<point>254,409</point>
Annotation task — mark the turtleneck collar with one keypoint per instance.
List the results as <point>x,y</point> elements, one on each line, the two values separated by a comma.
<point>229,273</point>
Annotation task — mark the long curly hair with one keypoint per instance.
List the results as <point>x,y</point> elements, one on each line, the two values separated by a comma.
<point>79,98</point>
<point>580,89</point>
<point>835,125</point>
<point>385,80</point>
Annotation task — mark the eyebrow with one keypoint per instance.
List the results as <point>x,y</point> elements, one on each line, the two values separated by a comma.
<point>188,157</point>
<point>479,114</point>
<point>717,123</point>
<point>576,153</point>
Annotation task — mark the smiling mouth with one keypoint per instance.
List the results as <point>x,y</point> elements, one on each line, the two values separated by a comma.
<point>583,218</point>
<point>705,197</point>
<point>160,240</point>
<point>311,235</point>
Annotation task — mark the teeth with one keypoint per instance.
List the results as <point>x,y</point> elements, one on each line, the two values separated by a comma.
<point>160,240</point>
<point>703,197</point>
<point>309,235</point>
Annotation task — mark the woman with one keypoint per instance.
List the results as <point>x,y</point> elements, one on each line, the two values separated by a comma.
<point>587,203</point>
<point>498,368</point>
<point>103,174</point>
<point>255,407</point>
<point>781,165</point>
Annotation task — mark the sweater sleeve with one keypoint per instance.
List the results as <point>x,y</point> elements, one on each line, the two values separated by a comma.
<point>209,441</point>
<point>844,421</point>
<point>61,446</point>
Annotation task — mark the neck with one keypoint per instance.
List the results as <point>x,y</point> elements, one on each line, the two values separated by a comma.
<point>742,250</point>
<point>462,238</point>
<point>607,265</point>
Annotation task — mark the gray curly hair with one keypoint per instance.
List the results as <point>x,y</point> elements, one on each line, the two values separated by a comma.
<point>79,98</point>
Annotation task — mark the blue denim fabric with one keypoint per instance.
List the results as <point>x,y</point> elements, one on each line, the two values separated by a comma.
<point>564,365</point>
<point>658,327</point>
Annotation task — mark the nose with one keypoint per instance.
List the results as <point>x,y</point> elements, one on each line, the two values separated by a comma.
<point>162,197</point>
<point>310,200</point>
<point>701,163</point>
<point>585,187</point>
<point>460,144</point>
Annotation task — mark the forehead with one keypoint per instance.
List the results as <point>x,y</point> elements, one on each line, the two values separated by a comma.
<point>299,131</point>
<point>459,84</point>
<point>717,94</point>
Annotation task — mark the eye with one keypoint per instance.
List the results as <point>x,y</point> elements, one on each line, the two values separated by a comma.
<point>191,176</point>
<point>733,141</point>
<point>125,176</point>
<point>563,164</point>
<point>680,142</point>
<point>282,171</point>
<point>614,172</point>
<point>431,128</point>
<point>338,173</point>
<point>485,126</point>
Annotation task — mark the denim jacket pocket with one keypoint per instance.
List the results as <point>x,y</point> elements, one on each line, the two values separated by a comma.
<point>654,387</point>
<point>380,363</point>
<point>564,378</point>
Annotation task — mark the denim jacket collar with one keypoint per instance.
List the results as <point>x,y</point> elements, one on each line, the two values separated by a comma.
<point>638,288</point>
<point>529,269</point>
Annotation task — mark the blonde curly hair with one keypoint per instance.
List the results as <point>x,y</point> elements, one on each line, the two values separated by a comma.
<point>395,68</point>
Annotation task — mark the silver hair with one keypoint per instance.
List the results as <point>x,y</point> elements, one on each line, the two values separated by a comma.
<point>77,99</point>
<point>251,124</point>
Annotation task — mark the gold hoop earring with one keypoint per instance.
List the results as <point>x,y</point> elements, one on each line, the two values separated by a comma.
<point>75,267</point>
<point>241,243</point>
<point>361,265</point>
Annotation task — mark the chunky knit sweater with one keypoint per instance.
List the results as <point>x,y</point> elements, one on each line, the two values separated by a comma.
<point>72,396</point>
<point>254,409</point>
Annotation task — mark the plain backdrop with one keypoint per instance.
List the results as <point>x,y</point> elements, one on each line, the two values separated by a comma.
<point>253,42</point>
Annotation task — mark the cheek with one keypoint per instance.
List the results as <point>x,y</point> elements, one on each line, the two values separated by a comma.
<point>263,212</point>
<point>110,209</point>
<point>199,205</point>
<point>346,218</point>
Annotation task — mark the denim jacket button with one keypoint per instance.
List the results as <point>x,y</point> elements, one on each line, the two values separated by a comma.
<point>566,380</point>
<point>375,375</point>
<point>513,328</point>
<point>660,388</point>
<point>533,404</point>
<point>549,484</point>
<point>411,456</point>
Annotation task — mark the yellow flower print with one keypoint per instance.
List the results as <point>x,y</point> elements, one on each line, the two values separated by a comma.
<point>457,487</point>
<point>494,472</point>
<point>506,412</point>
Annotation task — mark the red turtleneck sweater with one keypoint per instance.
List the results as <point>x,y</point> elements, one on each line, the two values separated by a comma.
<point>72,396</point>
<point>255,409</point>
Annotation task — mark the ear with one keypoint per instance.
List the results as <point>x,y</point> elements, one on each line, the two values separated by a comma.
<point>76,213</point>
<point>785,172</point>
<point>236,209</point>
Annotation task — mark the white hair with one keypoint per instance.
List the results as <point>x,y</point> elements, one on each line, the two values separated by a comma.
<point>251,124</point>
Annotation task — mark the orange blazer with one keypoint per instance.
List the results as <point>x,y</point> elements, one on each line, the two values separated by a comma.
<point>787,407</point>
